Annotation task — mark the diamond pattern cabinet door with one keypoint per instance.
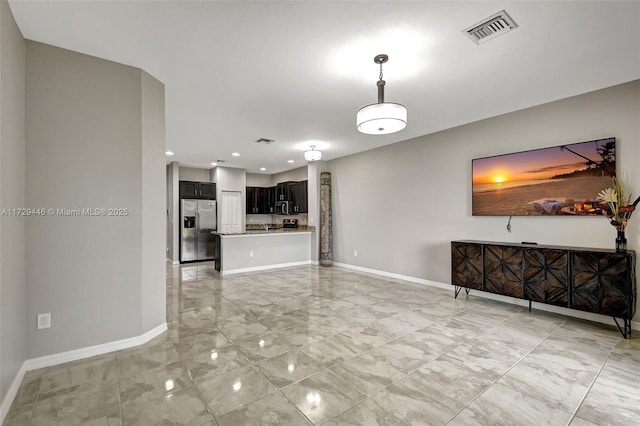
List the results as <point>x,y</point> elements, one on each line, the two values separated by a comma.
<point>546,276</point>
<point>466,265</point>
<point>600,283</point>
<point>503,270</point>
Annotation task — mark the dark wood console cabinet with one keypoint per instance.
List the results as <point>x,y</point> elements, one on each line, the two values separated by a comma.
<point>592,280</point>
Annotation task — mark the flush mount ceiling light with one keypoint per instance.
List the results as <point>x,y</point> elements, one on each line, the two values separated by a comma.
<point>312,154</point>
<point>384,117</point>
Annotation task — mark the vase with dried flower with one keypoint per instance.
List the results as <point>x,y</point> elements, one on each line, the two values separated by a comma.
<point>617,207</point>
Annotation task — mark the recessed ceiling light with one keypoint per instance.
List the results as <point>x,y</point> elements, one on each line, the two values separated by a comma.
<point>169,153</point>
<point>235,154</point>
<point>214,164</point>
<point>262,169</point>
<point>290,161</point>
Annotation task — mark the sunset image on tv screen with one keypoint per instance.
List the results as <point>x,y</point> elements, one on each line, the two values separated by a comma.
<point>561,180</point>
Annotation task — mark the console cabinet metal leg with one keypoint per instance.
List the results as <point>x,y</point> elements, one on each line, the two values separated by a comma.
<point>590,280</point>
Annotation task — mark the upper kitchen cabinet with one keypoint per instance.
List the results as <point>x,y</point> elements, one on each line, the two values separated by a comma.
<point>303,195</point>
<point>201,190</point>
<point>208,190</point>
<point>271,199</point>
<point>263,200</point>
<point>298,197</point>
<point>258,200</point>
<point>282,191</point>
<point>251,202</point>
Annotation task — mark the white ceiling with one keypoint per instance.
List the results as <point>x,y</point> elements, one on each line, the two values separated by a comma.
<point>298,71</point>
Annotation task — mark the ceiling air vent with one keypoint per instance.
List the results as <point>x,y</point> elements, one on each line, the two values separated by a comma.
<point>490,28</point>
<point>264,141</point>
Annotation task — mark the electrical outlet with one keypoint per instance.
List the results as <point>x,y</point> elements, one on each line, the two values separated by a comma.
<point>251,253</point>
<point>44,321</point>
<point>355,253</point>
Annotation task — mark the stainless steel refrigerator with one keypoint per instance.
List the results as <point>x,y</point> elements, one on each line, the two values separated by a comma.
<point>197,221</point>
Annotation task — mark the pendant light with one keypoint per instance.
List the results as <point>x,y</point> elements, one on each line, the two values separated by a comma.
<point>383,117</point>
<point>312,154</point>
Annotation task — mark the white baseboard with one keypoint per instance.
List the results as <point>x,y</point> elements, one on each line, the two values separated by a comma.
<point>89,351</point>
<point>76,354</point>
<point>264,268</point>
<point>11,393</point>
<point>603,319</point>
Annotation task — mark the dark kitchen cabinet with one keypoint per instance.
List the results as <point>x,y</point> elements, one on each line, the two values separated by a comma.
<point>282,191</point>
<point>592,280</point>
<point>263,200</point>
<point>298,197</point>
<point>188,189</point>
<point>303,197</point>
<point>271,199</point>
<point>207,190</point>
<point>251,202</point>
<point>257,200</point>
<point>201,190</point>
<point>260,200</point>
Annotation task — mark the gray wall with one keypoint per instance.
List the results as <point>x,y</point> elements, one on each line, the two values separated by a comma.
<point>12,189</point>
<point>173,212</point>
<point>230,179</point>
<point>195,174</point>
<point>258,179</point>
<point>401,205</point>
<point>153,203</point>
<point>290,175</point>
<point>87,135</point>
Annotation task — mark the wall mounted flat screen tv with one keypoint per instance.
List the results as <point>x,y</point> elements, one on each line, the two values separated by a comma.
<point>561,180</point>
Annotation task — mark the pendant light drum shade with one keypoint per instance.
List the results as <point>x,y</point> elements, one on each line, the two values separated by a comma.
<point>312,154</point>
<point>381,118</point>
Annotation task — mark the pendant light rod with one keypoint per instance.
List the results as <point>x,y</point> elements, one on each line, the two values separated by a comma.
<point>381,84</point>
<point>381,59</point>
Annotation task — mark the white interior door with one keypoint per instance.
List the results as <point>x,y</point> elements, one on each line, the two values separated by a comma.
<point>231,212</point>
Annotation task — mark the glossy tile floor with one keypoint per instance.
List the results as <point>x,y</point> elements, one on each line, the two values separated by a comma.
<point>330,346</point>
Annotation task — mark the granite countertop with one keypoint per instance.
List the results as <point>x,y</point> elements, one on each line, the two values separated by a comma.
<point>301,229</point>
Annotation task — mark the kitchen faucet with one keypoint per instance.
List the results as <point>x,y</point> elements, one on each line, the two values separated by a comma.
<point>266,227</point>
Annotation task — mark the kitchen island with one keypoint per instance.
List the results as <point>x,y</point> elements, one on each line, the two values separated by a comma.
<point>256,250</point>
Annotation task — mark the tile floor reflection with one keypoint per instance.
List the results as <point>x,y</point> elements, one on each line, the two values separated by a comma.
<point>330,346</point>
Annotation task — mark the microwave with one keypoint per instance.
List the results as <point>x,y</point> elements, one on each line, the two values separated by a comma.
<point>282,207</point>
